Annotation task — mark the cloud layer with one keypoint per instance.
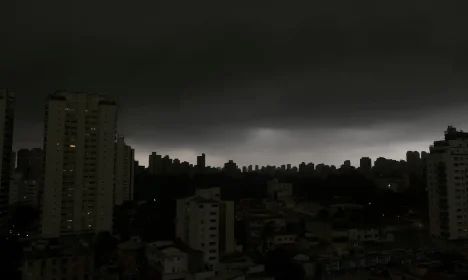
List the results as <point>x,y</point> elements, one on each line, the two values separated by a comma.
<point>258,83</point>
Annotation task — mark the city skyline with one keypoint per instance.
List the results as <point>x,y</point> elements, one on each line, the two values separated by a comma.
<point>291,83</point>
<point>395,151</point>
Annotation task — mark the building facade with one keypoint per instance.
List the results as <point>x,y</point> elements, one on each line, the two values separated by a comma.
<point>23,191</point>
<point>206,223</point>
<point>124,172</point>
<point>365,165</point>
<point>30,163</point>
<point>65,260</point>
<point>79,139</point>
<point>167,261</point>
<point>279,191</point>
<point>7,116</point>
<point>155,163</point>
<point>447,166</point>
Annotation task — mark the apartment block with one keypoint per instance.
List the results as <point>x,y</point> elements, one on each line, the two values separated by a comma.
<point>79,153</point>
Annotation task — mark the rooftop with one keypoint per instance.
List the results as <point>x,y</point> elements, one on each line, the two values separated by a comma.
<point>57,248</point>
<point>159,244</point>
<point>228,275</point>
<point>171,251</point>
<point>452,134</point>
<point>199,199</point>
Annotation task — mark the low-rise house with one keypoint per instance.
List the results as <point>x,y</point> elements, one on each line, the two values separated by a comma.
<point>167,261</point>
<point>131,258</point>
<point>58,259</point>
<point>278,239</point>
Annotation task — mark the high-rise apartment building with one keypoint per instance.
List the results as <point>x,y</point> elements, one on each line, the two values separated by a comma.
<point>155,164</point>
<point>7,116</point>
<point>23,191</point>
<point>13,162</point>
<point>206,223</point>
<point>22,160</point>
<point>79,153</point>
<point>201,161</point>
<point>124,172</point>
<point>30,163</point>
<point>447,166</point>
<point>230,167</point>
<point>365,165</point>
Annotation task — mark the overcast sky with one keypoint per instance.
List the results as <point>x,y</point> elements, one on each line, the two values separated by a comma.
<point>266,82</point>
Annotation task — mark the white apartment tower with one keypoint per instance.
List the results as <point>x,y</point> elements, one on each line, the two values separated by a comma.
<point>79,155</point>
<point>124,172</point>
<point>447,185</point>
<point>7,116</point>
<point>206,223</point>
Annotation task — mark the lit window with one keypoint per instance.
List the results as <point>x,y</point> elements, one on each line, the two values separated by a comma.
<point>72,146</point>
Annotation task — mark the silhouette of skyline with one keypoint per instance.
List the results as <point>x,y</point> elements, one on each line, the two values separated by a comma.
<point>258,85</point>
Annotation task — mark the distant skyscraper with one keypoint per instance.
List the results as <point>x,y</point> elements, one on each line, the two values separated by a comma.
<point>447,165</point>
<point>166,165</point>
<point>413,159</point>
<point>79,151</point>
<point>250,168</point>
<point>7,116</point>
<point>201,161</point>
<point>302,167</point>
<point>347,163</point>
<point>155,165</point>
<point>310,168</point>
<point>365,165</point>
<point>423,155</point>
<point>230,167</point>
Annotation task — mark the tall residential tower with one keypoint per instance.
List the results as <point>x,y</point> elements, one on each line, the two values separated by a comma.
<point>124,172</point>
<point>447,167</point>
<point>7,116</point>
<point>79,154</point>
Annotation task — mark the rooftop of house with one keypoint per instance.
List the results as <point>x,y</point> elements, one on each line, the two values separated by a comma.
<point>228,275</point>
<point>199,199</point>
<point>57,248</point>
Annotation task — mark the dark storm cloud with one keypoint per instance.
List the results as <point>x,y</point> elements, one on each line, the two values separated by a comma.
<point>213,76</point>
